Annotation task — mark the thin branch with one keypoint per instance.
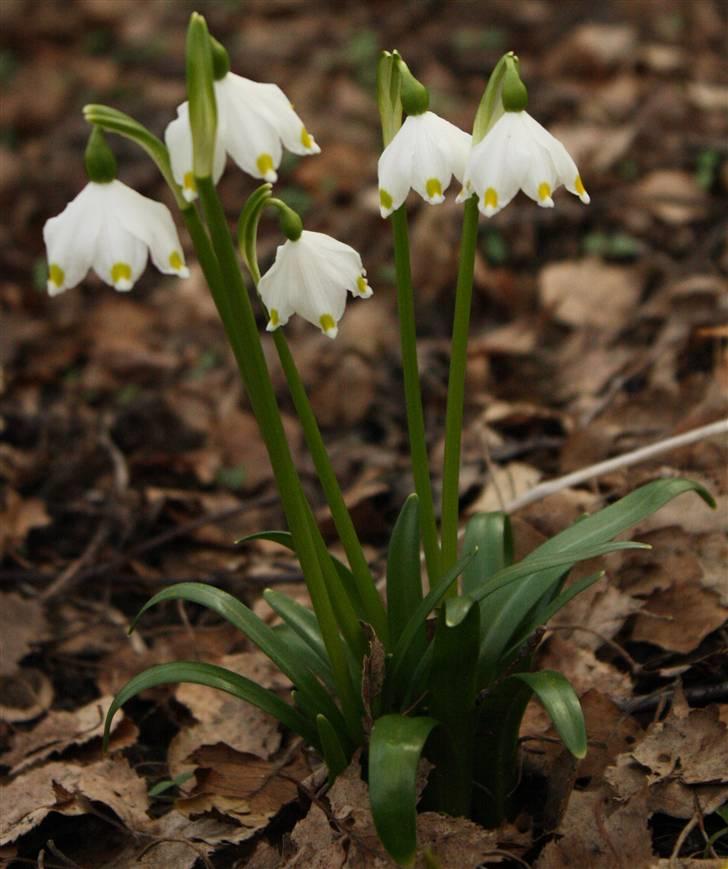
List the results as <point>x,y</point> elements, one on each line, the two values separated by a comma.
<point>550,487</point>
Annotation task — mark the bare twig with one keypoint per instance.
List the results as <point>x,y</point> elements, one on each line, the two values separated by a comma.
<point>550,487</point>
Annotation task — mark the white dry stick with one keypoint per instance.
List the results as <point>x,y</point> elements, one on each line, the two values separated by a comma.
<point>623,461</point>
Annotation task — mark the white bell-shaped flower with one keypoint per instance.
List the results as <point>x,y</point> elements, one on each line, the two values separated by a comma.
<point>255,121</point>
<point>111,228</point>
<point>516,154</point>
<point>424,154</point>
<point>311,277</point>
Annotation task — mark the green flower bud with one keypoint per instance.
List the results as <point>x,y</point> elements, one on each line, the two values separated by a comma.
<point>201,96</point>
<point>415,96</point>
<point>289,221</point>
<point>388,96</point>
<point>515,95</point>
<point>220,59</point>
<point>99,161</point>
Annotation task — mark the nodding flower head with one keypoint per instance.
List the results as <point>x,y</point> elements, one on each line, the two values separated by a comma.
<point>111,228</point>
<point>423,155</point>
<point>311,277</point>
<point>519,154</point>
<point>255,121</point>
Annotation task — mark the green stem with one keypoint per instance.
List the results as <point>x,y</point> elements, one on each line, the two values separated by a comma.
<point>456,386</point>
<point>226,283</point>
<point>413,394</point>
<point>365,586</point>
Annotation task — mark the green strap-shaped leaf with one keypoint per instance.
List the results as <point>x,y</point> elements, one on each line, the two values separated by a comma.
<point>305,654</point>
<point>331,748</point>
<point>404,660</point>
<point>394,753</point>
<point>245,620</point>
<point>404,577</point>
<point>301,619</point>
<point>492,535</point>
<point>214,677</point>
<point>560,701</point>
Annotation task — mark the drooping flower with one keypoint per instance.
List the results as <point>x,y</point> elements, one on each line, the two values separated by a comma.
<point>255,121</point>
<point>311,277</point>
<point>424,154</point>
<point>111,228</point>
<point>519,154</point>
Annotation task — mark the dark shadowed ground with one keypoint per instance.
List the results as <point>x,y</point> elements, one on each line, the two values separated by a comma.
<point>129,458</point>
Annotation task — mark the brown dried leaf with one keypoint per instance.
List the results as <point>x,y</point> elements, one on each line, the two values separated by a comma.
<point>22,623</point>
<point>18,516</point>
<point>24,695</point>
<point>672,196</point>
<point>60,730</point>
<point>590,292</point>
<point>67,788</point>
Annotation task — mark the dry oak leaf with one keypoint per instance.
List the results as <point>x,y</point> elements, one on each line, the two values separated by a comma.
<point>22,623</point>
<point>590,292</point>
<point>60,730</point>
<point>600,833</point>
<point>67,788</point>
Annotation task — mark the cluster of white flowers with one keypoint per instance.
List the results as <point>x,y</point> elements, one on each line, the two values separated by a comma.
<point>112,229</point>
<point>516,154</point>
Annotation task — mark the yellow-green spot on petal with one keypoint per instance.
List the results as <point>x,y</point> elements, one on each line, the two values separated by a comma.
<point>275,320</point>
<point>176,261</point>
<point>120,273</point>
<point>490,198</point>
<point>265,164</point>
<point>579,186</point>
<point>385,199</point>
<point>361,284</point>
<point>327,322</point>
<point>433,188</point>
<point>56,274</point>
<point>544,191</point>
<point>188,182</point>
<point>306,139</point>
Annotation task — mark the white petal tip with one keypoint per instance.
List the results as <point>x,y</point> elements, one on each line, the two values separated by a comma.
<point>189,195</point>
<point>331,332</point>
<point>270,176</point>
<point>436,200</point>
<point>585,198</point>
<point>184,272</point>
<point>54,289</point>
<point>123,286</point>
<point>314,149</point>
<point>385,212</point>
<point>548,202</point>
<point>367,294</point>
<point>489,211</point>
<point>271,327</point>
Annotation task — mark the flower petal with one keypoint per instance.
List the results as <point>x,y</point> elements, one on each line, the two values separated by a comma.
<point>395,169</point>
<point>564,166</point>
<point>496,166</point>
<point>70,239</point>
<point>151,222</point>
<point>178,138</point>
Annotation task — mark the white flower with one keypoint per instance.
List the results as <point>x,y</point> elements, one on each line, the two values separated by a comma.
<point>423,155</point>
<point>110,228</point>
<point>254,122</point>
<point>310,277</point>
<point>519,154</point>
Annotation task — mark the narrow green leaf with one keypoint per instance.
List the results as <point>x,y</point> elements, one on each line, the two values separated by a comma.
<point>492,534</point>
<point>331,748</point>
<point>300,618</point>
<point>403,659</point>
<point>394,753</point>
<point>285,538</point>
<point>305,655</point>
<point>560,701</point>
<point>450,700</point>
<point>245,620</point>
<point>404,577</point>
<point>214,677</point>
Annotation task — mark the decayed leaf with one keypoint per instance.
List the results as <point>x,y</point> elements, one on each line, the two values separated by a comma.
<point>66,788</point>
<point>598,832</point>
<point>22,623</point>
<point>241,786</point>
<point>505,484</point>
<point>18,516</point>
<point>672,196</point>
<point>24,695</point>
<point>590,292</point>
<point>226,719</point>
<point>60,730</point>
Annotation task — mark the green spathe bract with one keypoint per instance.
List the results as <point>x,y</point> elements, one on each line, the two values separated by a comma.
<point>455,656</point>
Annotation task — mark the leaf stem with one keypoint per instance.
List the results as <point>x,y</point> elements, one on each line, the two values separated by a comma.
<point>456,385</point>
<point>413,394</point>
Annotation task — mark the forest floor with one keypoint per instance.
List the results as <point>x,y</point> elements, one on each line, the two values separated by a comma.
<point>129,458</point>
